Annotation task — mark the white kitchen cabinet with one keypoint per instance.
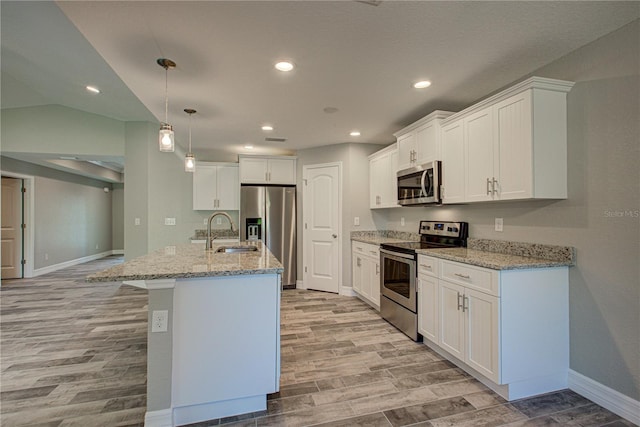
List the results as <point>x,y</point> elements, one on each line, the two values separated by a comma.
<point>508,328</point>
<point>515,145</point>
<point>382,178</point>
<point>419,142</point>
<point>267,170</point>
<point>216,186</point>
<point>428,298</point>
<point>366,272</point>
<point>453,167</point>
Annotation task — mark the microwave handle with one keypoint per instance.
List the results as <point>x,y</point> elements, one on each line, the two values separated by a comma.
<point>424,190</point>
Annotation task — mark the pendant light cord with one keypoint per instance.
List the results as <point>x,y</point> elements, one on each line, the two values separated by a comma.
<point>166,95</point>
<point>190,114</point>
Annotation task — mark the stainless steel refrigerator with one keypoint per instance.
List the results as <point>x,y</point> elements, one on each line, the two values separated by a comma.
<point>268,213</point>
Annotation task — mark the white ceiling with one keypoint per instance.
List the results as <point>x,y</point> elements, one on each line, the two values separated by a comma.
<point>358,58</point>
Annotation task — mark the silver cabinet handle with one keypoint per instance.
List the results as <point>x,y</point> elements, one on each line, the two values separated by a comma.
<point>428,267</point>
<point>465,304</point>
<point>377,269</point>
<point>460,297</point>
<point>494,185</point>
<point>488,184</point>
<point>371,252</point>
<point>464,276</point>
<point>359,263</point>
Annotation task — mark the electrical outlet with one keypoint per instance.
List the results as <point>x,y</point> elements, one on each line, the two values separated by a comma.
<point>169,250</point>
<point>159,320</point>
<point>169,221</point>
<point>402,221</point>
<point>356,220</point>
<point>218,221</point>
<point>499,224</point>
<point>205,221</point>
<point>136,221</point>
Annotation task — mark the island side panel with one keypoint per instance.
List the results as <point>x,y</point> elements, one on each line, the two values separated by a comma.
<point>225,341</point>
<point>159,348</point>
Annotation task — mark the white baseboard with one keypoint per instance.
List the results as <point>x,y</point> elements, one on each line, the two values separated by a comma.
<point>117,252</point>
<point>606,397</point>
<point>300,284</point>
<point>162,418</point>
<point>347,291</point>
<point>70,263</point>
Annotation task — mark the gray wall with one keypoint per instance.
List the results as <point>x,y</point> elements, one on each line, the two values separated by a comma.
<point>117,217</point>
<point>355,201</point>
<point>600,217</point>
<point>72,214</point>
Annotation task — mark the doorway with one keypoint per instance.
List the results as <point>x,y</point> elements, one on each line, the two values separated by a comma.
<point>28,219</point>
<point>322,231</point>
<point>12,230</point>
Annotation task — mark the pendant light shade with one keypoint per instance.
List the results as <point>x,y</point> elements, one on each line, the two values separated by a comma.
<point>189,159</point>
<point>166,140</point>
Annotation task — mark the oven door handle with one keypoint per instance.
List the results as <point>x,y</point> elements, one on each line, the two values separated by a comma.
<point>384,251</point>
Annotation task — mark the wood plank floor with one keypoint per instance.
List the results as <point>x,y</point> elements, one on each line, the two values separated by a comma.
<point>74,354</point>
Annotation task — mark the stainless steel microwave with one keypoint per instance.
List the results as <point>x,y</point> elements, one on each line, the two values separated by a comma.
<point>419,185</point>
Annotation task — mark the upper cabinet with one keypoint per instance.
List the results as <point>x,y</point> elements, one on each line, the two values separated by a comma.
<point>419,142</point>
<point>216,187</point>
<point>267,170</point>
<point>383,165</point>
<point>514,145</point>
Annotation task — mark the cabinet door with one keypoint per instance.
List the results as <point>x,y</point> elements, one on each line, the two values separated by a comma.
<point>368,273</point>
<point>406,150</point>
<point>228,188</point>
<point>451,320</point>
<point>282,171</point>
<point>514,144</point>
<point>428,307</point>
<point>479,152</point>
<point>482,332</point>
<point>453,169</point>
<point>389,181</point>
<point>375,170</point>
<point>427,143</point>
<point>204,187</point>
<point>356,265</point>
<point>253,171</point>
<point>375,281</point>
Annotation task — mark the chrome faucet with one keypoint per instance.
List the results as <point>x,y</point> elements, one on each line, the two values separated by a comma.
<point>209,243</point>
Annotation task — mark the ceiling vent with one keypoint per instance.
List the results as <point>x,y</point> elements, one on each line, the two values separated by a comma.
<point>275,139</point>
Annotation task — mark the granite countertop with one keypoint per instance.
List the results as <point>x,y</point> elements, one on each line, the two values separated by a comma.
<point>201,234</point>
<point>505,255</point>
<point>385,236</point>
<point>191,260</point>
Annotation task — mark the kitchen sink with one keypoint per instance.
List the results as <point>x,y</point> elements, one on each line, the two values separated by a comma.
<point>229,249</point>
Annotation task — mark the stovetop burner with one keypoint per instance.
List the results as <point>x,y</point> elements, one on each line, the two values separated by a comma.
<point>433,235</point>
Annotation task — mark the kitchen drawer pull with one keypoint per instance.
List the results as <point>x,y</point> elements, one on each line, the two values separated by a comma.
<point>464,276</point>
<point>428,267</point>
<point>373,252</point>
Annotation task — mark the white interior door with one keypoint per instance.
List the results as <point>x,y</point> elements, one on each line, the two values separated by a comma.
<point>322,210</point>
<point>11,228</point>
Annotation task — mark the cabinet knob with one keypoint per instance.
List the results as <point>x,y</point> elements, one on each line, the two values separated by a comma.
<point>334,236</point>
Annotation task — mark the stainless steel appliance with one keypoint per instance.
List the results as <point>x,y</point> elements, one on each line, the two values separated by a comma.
<point>398,287</point>
<point>419,185</point>
<point>268,213</point>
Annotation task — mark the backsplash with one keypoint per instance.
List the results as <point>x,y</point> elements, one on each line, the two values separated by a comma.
<point>217,233</point>
<point>390,234</point>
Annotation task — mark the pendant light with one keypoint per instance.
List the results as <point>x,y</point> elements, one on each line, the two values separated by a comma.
<point>165,138</point>
<point>189,159</point>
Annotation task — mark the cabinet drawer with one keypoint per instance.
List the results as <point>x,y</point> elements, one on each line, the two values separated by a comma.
<point>478,278</point>
<point>427,266</point>
<point>366,249</point>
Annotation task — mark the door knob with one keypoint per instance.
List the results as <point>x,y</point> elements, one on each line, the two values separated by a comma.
<point>334,235</point>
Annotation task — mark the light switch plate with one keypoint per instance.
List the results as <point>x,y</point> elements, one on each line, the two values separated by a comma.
<point>499,224</point>
<point>136,221</point>
<point>402,221</point>
<point>356,220</point>
<point>169,221</point>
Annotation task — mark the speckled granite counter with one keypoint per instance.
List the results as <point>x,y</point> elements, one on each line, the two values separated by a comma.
<point>190,260</point>
<point>201,234</point>
<point>384,236</point>
<point>504,255</point>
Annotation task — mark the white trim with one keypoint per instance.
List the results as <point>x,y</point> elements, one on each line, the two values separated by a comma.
<point>30,221</point>
<point>135,283</point>
<point>347,291</point>
<point>305,168</point>
<point>160,283</point>
<point>300,284</point>
<point>70,263</point>
<point>117,252</point>
<point>161,418</point>
<point>606,397</point>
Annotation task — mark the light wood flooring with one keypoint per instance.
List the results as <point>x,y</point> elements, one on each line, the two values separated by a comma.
<point>74,354</point>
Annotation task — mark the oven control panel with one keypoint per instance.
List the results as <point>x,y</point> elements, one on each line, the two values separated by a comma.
<point>444,228</point>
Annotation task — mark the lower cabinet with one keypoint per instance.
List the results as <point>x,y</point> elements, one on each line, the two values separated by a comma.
<point>366,272</point>
<point>508,328</point>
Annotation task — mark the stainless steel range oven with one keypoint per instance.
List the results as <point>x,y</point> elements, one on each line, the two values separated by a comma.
<point>398,278</point>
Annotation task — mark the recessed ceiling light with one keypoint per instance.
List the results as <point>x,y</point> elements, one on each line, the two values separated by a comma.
<point>355,133</point>
<point>248,147</point>
<point>422,84</point>
<point>284,66</point>
<point>267,128</point>
<point>93,89</point>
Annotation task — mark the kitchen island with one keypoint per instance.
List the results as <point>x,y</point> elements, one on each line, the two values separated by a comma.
<point>214,330</point>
